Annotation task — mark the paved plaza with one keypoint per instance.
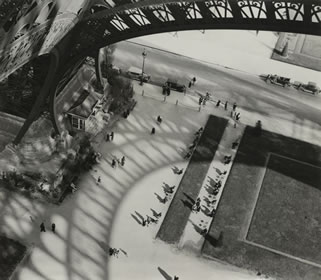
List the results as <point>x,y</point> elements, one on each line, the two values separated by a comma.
<point>99,216</point>
<point>109,214</point>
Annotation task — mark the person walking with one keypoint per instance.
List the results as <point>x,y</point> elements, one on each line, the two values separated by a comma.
<point>107,137</point>
<point>53,227</point>
<point>112,136</point>
<point>193,81</point>
<point>234,106</point>
<point>98,180</point>
<point>153,131</point>
<point>113,163</point>
<point>189,84</point>
<point>204,231</point>
<point>225,106</point>
<point>218,103</point>
<point>122,161</point>
<point>42,227</point>
<point>200,100</point>
<point>238,116</point>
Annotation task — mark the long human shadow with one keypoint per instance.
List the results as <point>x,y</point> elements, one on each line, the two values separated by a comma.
<point>164,274</point>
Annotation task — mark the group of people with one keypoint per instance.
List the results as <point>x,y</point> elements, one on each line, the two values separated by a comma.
<point>151,220</point>
<point>203,99</point>
<point>227,159</point>
<point>115,252</point>
<point>109,136</point>
<point>192,82</point>
<point>159,120</point>
<point>117,161</point>
<point>197,205</point>
<point>43,227</point>
<point>215,189</point>
<point>193,145</point>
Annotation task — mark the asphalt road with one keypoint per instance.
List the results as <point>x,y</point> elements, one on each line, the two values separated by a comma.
<point>249,91</point>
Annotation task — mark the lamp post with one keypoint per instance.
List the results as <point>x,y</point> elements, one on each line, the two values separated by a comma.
<point>144,54</point>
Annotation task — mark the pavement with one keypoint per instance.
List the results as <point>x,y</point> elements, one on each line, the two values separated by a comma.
<point>243,50</point>
<point>101,215</point>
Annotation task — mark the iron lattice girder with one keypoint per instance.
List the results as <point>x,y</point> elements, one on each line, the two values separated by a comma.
<point>154,16</point>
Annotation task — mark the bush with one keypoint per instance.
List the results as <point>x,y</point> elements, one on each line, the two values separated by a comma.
<point>122,93</point>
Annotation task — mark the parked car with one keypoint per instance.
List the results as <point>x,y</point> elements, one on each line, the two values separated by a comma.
<point>174,85</point>
<point>136,74</point>
<point>310,88</point>
<point>278,80</point>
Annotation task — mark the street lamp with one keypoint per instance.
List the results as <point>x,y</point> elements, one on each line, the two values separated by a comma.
<point>144,54</point>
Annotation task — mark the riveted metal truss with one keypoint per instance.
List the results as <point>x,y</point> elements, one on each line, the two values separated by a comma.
<point>109,21</point>
<point>128,19</point>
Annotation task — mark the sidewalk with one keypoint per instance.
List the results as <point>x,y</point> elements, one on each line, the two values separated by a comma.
<point>192,239</point>
<point>237,49</point>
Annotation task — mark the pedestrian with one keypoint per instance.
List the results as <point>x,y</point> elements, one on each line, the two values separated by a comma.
<point>42,227</point>
<point>158,215</point>
<point>204,231</point>
<point>116,252</point>
<point>193,80</point>
<point>198,208</point>
<point>98,180</point>
<point>144,222</point>
<point>122,161</point>
<point>234,106</point>
<point>189,84</point>
<point>113,163</point>
<point>225,106</point>
<point>212,213</point>
<point>200,100</point>
<point>218,103</point>
<point>153,131</point>
<point>204,102</point>
<point>107,137</point>
<point>237,116</point>
<point>111,251</point>
<point>180,171</point>
<point>234,145</point>
<point>53,227</point>
<point>148,220</point>
<point>112,136</point>
<point>168,90</point>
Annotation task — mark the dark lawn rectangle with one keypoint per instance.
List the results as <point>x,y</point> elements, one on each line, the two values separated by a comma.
<point>11,253</point>
<point>178,213</point>
<point>287,214</point>
<point>241,193</point>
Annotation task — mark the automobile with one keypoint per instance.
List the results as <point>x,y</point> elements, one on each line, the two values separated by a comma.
<point>136,74</point>
<point>310,88</point>
<point>278,80</point>
<point>174,85</point>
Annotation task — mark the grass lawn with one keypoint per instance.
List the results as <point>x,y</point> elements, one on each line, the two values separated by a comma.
<point>287,214</point>
<point>271,199</point>
<point>178,213</point>
<point>11,253</point>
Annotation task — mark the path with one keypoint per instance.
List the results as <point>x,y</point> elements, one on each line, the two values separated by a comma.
<point>192,239</point>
